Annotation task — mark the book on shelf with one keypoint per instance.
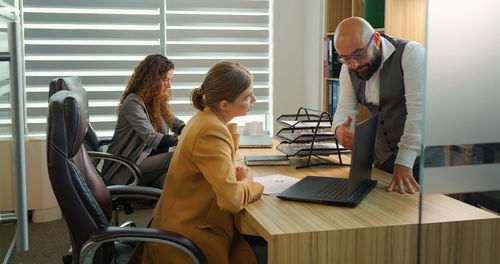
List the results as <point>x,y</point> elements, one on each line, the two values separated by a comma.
<point>266,160</point>
<point>330,97</point>
<point>330,50</point>
<point>325,57</point>
<point>336,87</point>
<point>331,67</point>
<point>333,94</point>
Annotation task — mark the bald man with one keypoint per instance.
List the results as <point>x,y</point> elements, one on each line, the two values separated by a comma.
<point>384,74</point>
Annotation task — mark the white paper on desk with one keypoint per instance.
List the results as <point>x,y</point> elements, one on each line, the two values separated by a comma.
<point>276,183</point>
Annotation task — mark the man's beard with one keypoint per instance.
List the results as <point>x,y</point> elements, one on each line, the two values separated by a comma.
<point>373,66</point>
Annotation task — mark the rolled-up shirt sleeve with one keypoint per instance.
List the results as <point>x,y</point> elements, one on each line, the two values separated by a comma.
<point>412,63</point>
<point>348,103</point>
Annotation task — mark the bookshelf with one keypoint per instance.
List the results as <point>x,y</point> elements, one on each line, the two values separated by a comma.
<point>336,11</point>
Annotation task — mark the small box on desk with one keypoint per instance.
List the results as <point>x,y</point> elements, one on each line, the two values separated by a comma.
<point>267,160</point>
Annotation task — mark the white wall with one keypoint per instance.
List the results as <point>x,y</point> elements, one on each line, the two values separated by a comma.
<point>314,32</point>
<point>297,55</point>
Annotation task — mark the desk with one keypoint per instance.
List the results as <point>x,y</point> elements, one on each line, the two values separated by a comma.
<point>40,197</point>
<point>383,228</point>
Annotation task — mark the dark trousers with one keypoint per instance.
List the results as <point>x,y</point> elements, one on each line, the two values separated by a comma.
<point>154,169</point>
<point>259,247</point>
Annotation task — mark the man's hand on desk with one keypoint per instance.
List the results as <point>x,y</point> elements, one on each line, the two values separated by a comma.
<point>402,180</point>
<point>344,135</point>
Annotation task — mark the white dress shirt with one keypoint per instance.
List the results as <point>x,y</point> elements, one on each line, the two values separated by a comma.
<point>412,62</point>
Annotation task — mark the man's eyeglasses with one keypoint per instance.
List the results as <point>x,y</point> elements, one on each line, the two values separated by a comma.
<point>357,55</point>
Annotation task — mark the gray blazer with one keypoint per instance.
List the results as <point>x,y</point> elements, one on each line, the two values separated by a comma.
<point>134,138</point>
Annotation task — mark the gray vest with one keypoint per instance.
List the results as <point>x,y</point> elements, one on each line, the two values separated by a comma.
<point>392,105</point>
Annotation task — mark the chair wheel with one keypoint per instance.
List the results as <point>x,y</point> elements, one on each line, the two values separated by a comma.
<point>67,259</point>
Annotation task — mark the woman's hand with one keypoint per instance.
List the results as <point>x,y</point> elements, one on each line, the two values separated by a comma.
<point>244,174</point>
<point>174,139</point>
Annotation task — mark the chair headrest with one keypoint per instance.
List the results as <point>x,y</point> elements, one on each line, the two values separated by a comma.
<point>69,111</point>
<point>67,83</point>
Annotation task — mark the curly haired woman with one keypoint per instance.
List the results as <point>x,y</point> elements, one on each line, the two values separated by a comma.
<point>143,125</point>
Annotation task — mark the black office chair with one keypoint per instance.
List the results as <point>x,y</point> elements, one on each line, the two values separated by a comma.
<point>488,200</point>
<point>84,199</point>
<point>92,142</point>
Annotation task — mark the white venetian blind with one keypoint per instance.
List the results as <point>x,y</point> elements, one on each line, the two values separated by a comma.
<point>102,41</point>
<point>201,33</point>
<point>7,14</point>
<point>99,41</point>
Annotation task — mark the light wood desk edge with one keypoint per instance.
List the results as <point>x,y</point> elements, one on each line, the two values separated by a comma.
<point>382,229</point>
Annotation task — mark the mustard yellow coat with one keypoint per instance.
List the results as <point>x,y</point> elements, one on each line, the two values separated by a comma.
<point>201,196</point>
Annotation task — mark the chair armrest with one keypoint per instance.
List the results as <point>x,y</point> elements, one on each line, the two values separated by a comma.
<point>136,172</point>
<point>111,234</point>
<point>128,224</point>
<point>127,191</point>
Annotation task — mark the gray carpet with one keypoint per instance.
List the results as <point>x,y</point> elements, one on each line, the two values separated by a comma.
<point>48,242</point>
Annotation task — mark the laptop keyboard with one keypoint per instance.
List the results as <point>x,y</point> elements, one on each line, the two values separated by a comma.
<point>335,190</point>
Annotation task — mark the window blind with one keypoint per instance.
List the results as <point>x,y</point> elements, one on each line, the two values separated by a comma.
<point>201,33</point>
<point>102,42</point>
<point>99,41</point>
<point>7,14</point>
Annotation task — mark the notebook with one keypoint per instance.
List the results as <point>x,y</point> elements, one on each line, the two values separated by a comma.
<point>341,191</point>
<point>255,142</point>
<point>266,160</point>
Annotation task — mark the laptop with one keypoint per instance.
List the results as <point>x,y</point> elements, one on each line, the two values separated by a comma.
<point>255,142</point>
<point>341,191</point>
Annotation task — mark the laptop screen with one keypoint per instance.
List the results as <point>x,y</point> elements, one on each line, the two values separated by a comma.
<point>362,153</point>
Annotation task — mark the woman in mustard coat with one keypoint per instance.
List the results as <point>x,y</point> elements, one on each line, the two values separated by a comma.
<point>204,189</point>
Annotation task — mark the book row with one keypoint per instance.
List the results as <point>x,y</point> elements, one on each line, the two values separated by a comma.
<point>331,66</point>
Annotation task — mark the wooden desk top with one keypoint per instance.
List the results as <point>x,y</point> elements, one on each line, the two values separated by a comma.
<point>271,216</point>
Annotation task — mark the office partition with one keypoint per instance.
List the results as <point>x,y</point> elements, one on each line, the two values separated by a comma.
<point>461,113</point>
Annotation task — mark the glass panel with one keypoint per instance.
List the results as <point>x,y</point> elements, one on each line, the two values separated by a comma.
<point>460,180</point>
